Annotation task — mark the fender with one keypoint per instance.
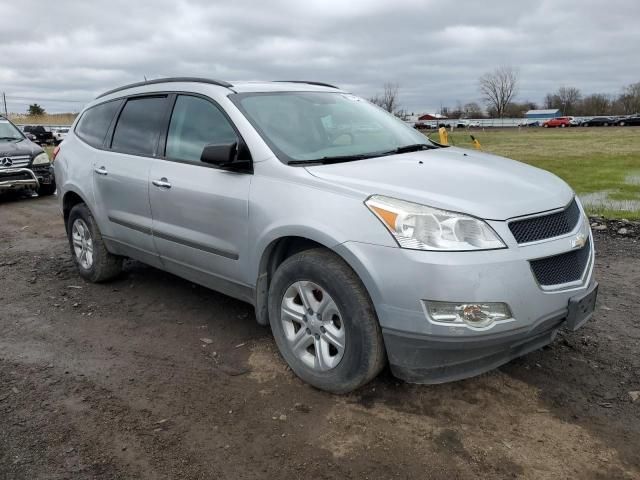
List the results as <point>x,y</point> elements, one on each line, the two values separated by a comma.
<point>261,266</point>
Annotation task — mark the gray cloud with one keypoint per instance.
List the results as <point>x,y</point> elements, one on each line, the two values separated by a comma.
<point>68,52</point>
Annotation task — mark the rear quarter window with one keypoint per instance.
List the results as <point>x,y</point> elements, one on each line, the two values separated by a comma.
<point>95,122</point>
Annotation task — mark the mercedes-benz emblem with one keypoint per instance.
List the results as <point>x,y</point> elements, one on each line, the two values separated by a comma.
<point>6,162</point>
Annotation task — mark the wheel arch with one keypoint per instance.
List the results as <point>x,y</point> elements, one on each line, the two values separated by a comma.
<point>276,252</point>
<point>70,199</point>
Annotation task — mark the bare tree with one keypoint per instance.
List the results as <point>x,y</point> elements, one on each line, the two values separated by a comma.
<point>389,98</point>
<point>630,98</point>
<point>551,101</point>
<point>472,110</point>
<point>569,99</point>
<point>596,104</point>
<point>498,88</point>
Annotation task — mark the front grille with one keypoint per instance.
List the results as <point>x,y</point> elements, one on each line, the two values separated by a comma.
<point>563,268</point>
<point>17,161</point>
<point>546,226</point>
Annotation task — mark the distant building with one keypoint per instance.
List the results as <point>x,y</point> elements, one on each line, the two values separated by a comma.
<point>431,116</point>
<point>543,114</point>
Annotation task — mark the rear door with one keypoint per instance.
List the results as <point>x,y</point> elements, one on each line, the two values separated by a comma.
<point>121,175</point>
<point>200,212</point>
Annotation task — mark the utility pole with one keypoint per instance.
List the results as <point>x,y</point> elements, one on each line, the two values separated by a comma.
<point>4,101</point>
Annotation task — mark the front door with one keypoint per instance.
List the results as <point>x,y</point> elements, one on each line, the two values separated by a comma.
<point>200,213</point>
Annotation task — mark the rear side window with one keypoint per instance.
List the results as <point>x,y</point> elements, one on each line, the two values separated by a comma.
<point>139,125</point>
<point>196,122</point>
<point>93,126</point>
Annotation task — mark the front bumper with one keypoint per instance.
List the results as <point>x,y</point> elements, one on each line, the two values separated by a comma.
<point>44,173</point>
<point>428,359</point>
<point>25,178</point>
<point>18,178</point>
<point>422,350</point>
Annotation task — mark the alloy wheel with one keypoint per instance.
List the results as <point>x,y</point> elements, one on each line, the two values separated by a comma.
<point>313,326</point>
<point>82,243</point>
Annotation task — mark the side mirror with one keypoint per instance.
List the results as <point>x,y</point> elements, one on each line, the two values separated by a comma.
<point>222,155</point>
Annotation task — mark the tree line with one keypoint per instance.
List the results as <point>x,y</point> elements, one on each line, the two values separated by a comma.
<point>498,90</point>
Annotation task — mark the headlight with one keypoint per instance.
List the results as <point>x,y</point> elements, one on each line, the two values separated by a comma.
<point>41,159</point>
<point>420,227</point>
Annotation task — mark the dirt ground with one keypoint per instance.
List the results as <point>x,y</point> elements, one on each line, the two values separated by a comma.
<point>153,377</point>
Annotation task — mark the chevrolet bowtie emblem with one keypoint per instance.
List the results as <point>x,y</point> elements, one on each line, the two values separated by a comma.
<point>579,241</point>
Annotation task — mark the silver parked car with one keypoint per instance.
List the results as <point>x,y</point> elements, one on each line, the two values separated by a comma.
<point>356,239</point>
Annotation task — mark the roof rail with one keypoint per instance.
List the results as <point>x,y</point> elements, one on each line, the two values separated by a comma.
<point>211,81</point>
<point>320,84</point>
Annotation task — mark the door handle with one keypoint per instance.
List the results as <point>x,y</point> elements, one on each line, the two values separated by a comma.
<point>162,183</point>
<point>100,171</point>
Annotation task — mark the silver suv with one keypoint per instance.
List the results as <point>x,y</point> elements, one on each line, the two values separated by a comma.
<point>356,239</point>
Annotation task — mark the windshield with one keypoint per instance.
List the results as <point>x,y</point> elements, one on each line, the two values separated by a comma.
<point>320,126</point>
<point>9,132</point>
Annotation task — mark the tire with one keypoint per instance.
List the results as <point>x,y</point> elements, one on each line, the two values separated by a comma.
<point>101,265</point>
<point>563,125</point>
<point>605,124</point>
<point>325,279</point>
<point>46,189</point>
<point>545,125</point>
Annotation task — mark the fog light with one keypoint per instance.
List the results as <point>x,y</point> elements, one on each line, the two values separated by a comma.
<point>473,314</point>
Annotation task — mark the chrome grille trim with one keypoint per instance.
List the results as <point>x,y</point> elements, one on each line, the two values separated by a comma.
<point>18,161</point>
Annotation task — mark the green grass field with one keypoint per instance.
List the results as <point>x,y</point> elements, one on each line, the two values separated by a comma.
<point>601,164</point>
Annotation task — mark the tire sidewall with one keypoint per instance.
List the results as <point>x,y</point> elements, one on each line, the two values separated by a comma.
<point>82,212</point>
<point>349,373</point>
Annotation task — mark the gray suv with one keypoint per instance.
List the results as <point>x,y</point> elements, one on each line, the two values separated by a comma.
<point>358,240</point>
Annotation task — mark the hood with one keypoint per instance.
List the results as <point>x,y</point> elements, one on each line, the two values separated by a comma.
<point>23,147</point>
<point>466,181</point>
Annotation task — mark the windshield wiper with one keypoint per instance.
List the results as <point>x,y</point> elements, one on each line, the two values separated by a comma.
<point>362,156</point>
<point>10,138</point>
<point>339,159</point>
<point>412,148</point>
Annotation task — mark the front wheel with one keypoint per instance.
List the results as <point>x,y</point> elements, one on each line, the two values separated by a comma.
<point>324,323</point>
<point>46,189</point>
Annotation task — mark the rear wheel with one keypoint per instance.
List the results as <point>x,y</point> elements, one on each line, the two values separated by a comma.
<point>93,261</point>
<point>324,323</point>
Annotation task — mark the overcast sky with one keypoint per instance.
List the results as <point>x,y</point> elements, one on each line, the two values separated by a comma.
<point>436,50</point>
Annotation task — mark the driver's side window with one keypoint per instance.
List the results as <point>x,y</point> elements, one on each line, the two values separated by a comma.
<point>196,122</point>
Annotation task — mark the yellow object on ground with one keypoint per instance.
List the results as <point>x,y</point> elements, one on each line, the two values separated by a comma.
<point>476,143</point>
<point>444,136</point>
